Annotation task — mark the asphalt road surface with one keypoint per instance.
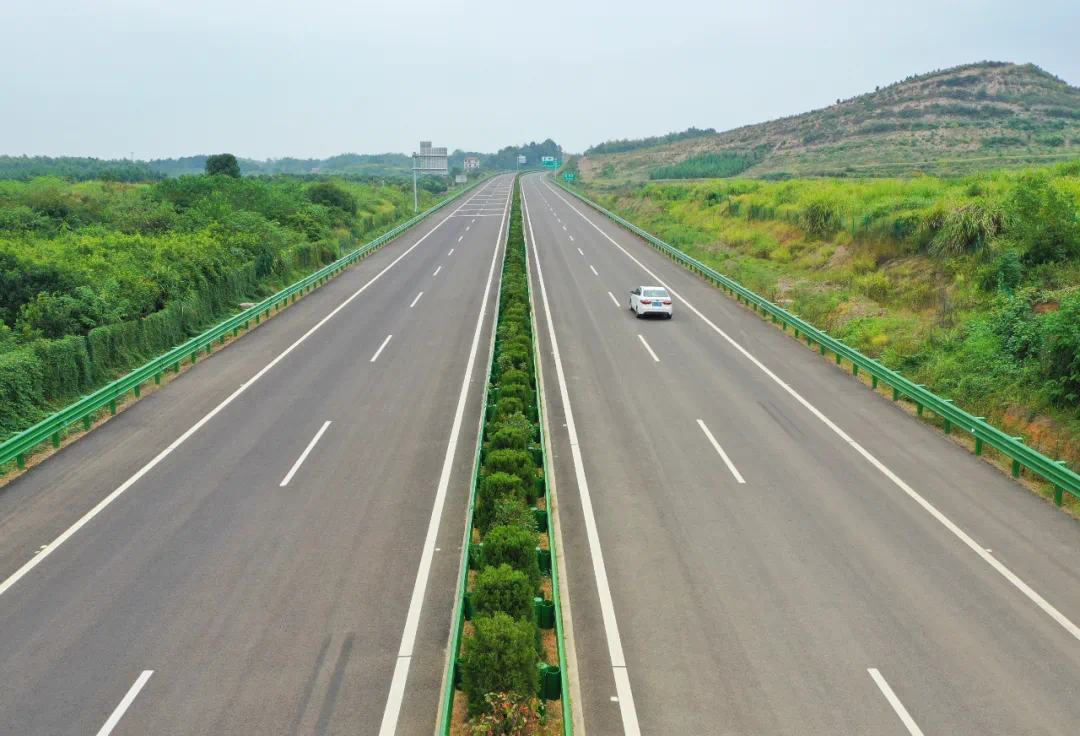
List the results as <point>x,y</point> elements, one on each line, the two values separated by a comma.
<point>757,544</point>
<point>269,544</point>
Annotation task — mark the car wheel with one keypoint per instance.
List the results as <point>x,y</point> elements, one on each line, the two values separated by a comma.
<point>670,315</point>
<point>637,314</point>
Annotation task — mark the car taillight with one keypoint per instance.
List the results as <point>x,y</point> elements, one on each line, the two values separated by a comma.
<point>667,301</point>
<point>646,302</point>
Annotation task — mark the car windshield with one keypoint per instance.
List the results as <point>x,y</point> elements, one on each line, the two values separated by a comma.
<point>655,293</point>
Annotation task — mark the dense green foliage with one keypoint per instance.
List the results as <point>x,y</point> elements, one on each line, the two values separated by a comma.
<point>630,144</point>
<point>25,168</point>
<point>970,286</point>
<point>503,589</point>
<point>97,277</point>
<point>711,165</point>
<point>224,164</point>
<point>499,658</point>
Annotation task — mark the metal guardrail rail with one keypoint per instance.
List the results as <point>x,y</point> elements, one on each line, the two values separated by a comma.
<point>17,447</point>
<point>458,625</point>
<point>1022,456</point>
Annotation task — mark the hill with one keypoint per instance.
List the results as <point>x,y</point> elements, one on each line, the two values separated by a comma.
<point>949,122</point>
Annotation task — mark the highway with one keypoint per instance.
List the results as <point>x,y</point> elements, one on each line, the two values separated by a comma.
<point>757,544</point>
<point>269,544</point>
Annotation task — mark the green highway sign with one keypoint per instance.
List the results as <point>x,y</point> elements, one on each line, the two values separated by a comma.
<point>552,164</point>
<point>568,177</point>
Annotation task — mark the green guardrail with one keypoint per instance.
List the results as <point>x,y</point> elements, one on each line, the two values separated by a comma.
<point>1022,456</point>
<point>16,448</point>
<point>462,609</point>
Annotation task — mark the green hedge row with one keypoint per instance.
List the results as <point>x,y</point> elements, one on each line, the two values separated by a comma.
<point>504,654</point>
<point>45,375</point>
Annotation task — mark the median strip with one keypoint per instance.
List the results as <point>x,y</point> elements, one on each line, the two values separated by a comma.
<point>507,648</point>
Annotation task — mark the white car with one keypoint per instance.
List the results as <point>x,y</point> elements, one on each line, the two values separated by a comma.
<point>646,300</point>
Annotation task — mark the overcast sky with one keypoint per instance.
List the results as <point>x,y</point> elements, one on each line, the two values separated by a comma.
<point>272,78</point>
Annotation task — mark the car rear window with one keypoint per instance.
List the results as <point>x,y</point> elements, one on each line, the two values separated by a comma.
<point>655,293</point>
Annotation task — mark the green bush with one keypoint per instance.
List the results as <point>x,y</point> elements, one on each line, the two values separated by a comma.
<point>518,391</point>
<point>492,488</point>
<point>514,546</point>
<point>1061,336</point>
<point>499,657</point>
<point>503,589</point>
<point>513,511</point>
<point>510,438</point>
<point>508,407</point>
<point>21,390</point>
<point>514,462</point>
<point>514,376</point>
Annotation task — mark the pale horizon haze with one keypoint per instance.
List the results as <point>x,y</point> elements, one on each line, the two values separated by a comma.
<point>274,78</point>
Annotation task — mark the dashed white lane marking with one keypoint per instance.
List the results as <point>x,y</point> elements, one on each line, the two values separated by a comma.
<point>132,693</point>
<point>593,269</point>
<point>414,301</point>
<point>719,449</point>
<point>613,298</point>
<point>894,701</point>
<point>437,271</point>
<point>384,344</point>
<point>307,450</point>
<point>640,337</point>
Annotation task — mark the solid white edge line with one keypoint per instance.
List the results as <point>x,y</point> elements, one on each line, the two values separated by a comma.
<point>414,301</point>
<point>719,449</point>
<point>627,708</point>
<point>437,271</point>
<point>894,701</point>
<point>303,456</point>
<point>978,549</point>
<point>614,300</point>
<point>593,269</point>
<point>642,338</point>
<point>55,544</point>
<point>129,698</point>
<point>376,355</point>
<point>412,619</point>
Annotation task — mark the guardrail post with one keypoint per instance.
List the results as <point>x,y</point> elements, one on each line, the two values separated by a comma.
<point>194,357</point>
<point>56,440</point>
<point>1016,463</point>
<point>20,461</point>
<point>112,406</point>
<point>222,338</point>
<point>948,424</point>
<point>209,347</point>
<point>873,382</point>
<point>138,387</point>
<point>86,422</point>
<point>1059,492</point>
<point>895,394</point>
<point>838,359</point>
<point>176,367</point>
<point>822,348</point>
<point>256,318</point>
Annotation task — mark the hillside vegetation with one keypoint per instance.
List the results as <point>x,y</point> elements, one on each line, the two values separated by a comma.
<point>948,123</point>
<point>98,277</point>
<point>970,286</point>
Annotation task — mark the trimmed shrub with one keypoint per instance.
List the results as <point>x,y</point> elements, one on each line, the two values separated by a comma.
<point>514,462</point>
<point>514,377</point>
<point>517,391</point>
<point>493,488</point>
<point>515,547</point>
<point>508,407</point>
<point>66,369</point>
<point>503,589</point>
<point>499,657</point>
<point>514,512</point>
<point>510,438</point>
<point>21,381</point>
